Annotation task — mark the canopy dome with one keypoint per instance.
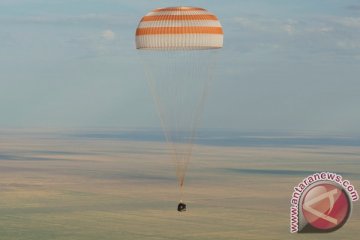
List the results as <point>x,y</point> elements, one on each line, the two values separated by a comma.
<point>179,28</point>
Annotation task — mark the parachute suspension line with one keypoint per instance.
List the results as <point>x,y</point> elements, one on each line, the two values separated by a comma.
<point>151,80</point>
<point>196,116</point>
<point>179,83</point>
<point>206,74</point>
<point>180,127</point>
<point>175,133</point>
<point>181,78</point>
<point>191,74</point>
<point>180,120</point>
<point>177,69</point>
<point>197,64</point>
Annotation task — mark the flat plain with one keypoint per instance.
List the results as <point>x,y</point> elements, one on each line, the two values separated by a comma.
<point>54,186</point>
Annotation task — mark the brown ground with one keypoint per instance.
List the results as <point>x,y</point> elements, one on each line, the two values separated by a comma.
<point>62,188</point>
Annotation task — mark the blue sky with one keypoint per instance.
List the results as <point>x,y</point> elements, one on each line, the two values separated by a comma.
<point>286,65</point>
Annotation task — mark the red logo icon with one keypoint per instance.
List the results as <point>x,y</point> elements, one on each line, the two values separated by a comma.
<point>325,207</point>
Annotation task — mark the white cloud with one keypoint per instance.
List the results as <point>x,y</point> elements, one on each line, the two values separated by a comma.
<point>108,35</point>
<point>351,22</point>
<point>298,27</point>
<point>348,44</point>
<point>317,35</point>
<point>354,7</point>
<point>250,23</point>
<point>326,29</point>
<point>289,28</point>
<point>271,25</point>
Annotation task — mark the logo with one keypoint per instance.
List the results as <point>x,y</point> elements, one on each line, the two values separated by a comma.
<point>321,203</point>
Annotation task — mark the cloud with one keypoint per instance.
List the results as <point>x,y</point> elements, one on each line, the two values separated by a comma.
<point>108,35</point>
<point>353,7</point>
<point>7,39</point>
<point>281,26</point>
<point>315,24</point>
<point>298,27</point>
<point>260,24</point>
<point>250,23</point>
<point>93,43</point>
<point>318,35</point>
<point>289,28</point>
<point>348,44</point>
<point>350,22</point>
<point>91,18</point>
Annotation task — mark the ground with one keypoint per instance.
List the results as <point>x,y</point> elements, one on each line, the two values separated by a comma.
<point>54,187</point>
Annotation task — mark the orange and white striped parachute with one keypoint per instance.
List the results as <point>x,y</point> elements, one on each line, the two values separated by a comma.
<point>182,43</point>
<point>179,28</point>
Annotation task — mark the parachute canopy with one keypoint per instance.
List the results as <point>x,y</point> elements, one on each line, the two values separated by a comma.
<point>179,28</point>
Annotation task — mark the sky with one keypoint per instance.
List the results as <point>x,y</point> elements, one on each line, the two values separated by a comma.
<point>285,66</point>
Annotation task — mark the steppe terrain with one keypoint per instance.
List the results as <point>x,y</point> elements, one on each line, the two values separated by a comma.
<point>57,186</point>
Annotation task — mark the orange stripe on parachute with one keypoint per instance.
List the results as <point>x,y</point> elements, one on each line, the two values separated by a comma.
<point>178,18</point>
<point>179,9</point>
<point>178,30</point>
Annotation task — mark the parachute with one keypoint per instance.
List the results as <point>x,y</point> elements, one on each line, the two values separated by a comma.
<point>181,207</point>
<point>178,47</point>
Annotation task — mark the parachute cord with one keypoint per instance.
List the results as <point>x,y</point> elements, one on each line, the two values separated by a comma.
<point>161,111</point>
<point>181,190</point>
<point>172,116</point>
<point>200,109</point>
